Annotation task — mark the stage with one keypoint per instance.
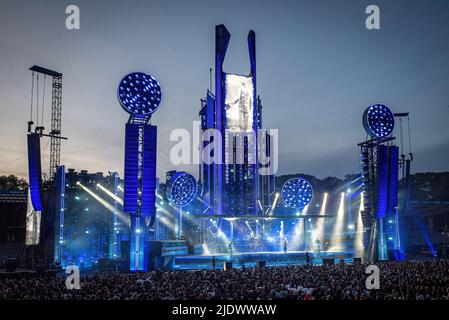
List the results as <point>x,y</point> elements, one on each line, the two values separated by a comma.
<point>250,259</point>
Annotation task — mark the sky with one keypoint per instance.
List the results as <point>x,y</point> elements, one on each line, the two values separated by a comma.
<point>318,69</point>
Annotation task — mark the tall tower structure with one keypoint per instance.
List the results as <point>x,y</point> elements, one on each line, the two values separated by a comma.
<point>139,95</point>
<point>380,167</point>
<point>231,184</point>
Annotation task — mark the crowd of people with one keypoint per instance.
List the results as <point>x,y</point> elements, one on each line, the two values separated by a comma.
<point>424,280</point>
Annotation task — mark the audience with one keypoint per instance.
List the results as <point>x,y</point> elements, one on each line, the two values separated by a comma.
<point>425,280</point>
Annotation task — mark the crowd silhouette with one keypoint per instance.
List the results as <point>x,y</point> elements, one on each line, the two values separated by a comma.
<point>423,280</point>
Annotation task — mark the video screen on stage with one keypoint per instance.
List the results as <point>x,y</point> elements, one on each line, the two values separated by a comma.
<point>239,106</point>
<point>33,223</point>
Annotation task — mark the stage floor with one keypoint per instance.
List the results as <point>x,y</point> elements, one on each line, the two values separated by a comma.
<point>250,259</point>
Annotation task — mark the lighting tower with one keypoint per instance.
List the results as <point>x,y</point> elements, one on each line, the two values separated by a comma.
<point>181,189</point>
<point>139,95</point>
<point>232,185</point>
<point>380,168</point>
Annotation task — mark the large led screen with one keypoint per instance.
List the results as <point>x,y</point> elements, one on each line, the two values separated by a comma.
<point>239,104</point>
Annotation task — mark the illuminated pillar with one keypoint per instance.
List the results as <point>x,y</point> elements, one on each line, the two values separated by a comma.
<point>180,222</point>
<point>60,192</point>
<point>137,243</point>
<point>256,124</point>
<point>114,252</point>
<point>222,37</point>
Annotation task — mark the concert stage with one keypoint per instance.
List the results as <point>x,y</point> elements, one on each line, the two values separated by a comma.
<point>250,259</point>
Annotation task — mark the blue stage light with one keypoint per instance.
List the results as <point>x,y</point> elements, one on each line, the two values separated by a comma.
<point>139,94</point>
<point>378,121</point>
<point>182,189</point>
<point>297,193</point>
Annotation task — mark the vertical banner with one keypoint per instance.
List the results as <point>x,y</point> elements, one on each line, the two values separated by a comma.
<point>382,186</point>
<point>393,179</point>
<point>149,152</point>
<point>131,183</point>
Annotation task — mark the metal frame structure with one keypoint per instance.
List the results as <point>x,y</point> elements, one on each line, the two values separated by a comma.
<point>246,193</point>
<point>56,118</point>
<point>56,124</point>
<point>377,242</point>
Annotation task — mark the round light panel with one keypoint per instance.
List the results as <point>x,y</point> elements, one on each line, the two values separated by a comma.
<point>297,193</point>
<point>139,94</point>
<point>182,189</point>
<point>378,121</point>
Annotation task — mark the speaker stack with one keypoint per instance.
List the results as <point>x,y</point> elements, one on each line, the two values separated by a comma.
<point>227,266</point>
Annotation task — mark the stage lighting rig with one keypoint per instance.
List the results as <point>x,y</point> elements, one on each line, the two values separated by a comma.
<point>139,95</point>
<point>378,121</point>
<point>297,193</point>
<point>182,188</point>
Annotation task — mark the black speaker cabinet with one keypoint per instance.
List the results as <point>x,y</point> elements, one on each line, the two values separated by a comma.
<point>227,266</point>
<point>153,250</point>
<point>357,260</point>
<point>11,265</point>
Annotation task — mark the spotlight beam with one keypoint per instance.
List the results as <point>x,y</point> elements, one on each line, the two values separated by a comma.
<point>339,225</point>
<point>104,203</point>
<point>273,205</point>
<point>358,240</point>
<point>109,193</point>
<point>319,230</point>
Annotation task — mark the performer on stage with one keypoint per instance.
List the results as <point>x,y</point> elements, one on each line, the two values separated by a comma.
<point>307,257</point>
<point>230,247</point>
<point>285,245</point>
<point>214,262</point>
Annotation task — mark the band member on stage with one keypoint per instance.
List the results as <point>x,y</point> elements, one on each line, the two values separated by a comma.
<point>307,257</point>
<point>285,245</point>
<point>230,247</point>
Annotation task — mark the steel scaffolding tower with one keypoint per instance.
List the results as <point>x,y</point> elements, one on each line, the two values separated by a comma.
<point>56,118</point>
<point>56,122</point>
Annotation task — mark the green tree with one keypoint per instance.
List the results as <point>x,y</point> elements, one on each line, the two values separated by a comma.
<point>12,182</point>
